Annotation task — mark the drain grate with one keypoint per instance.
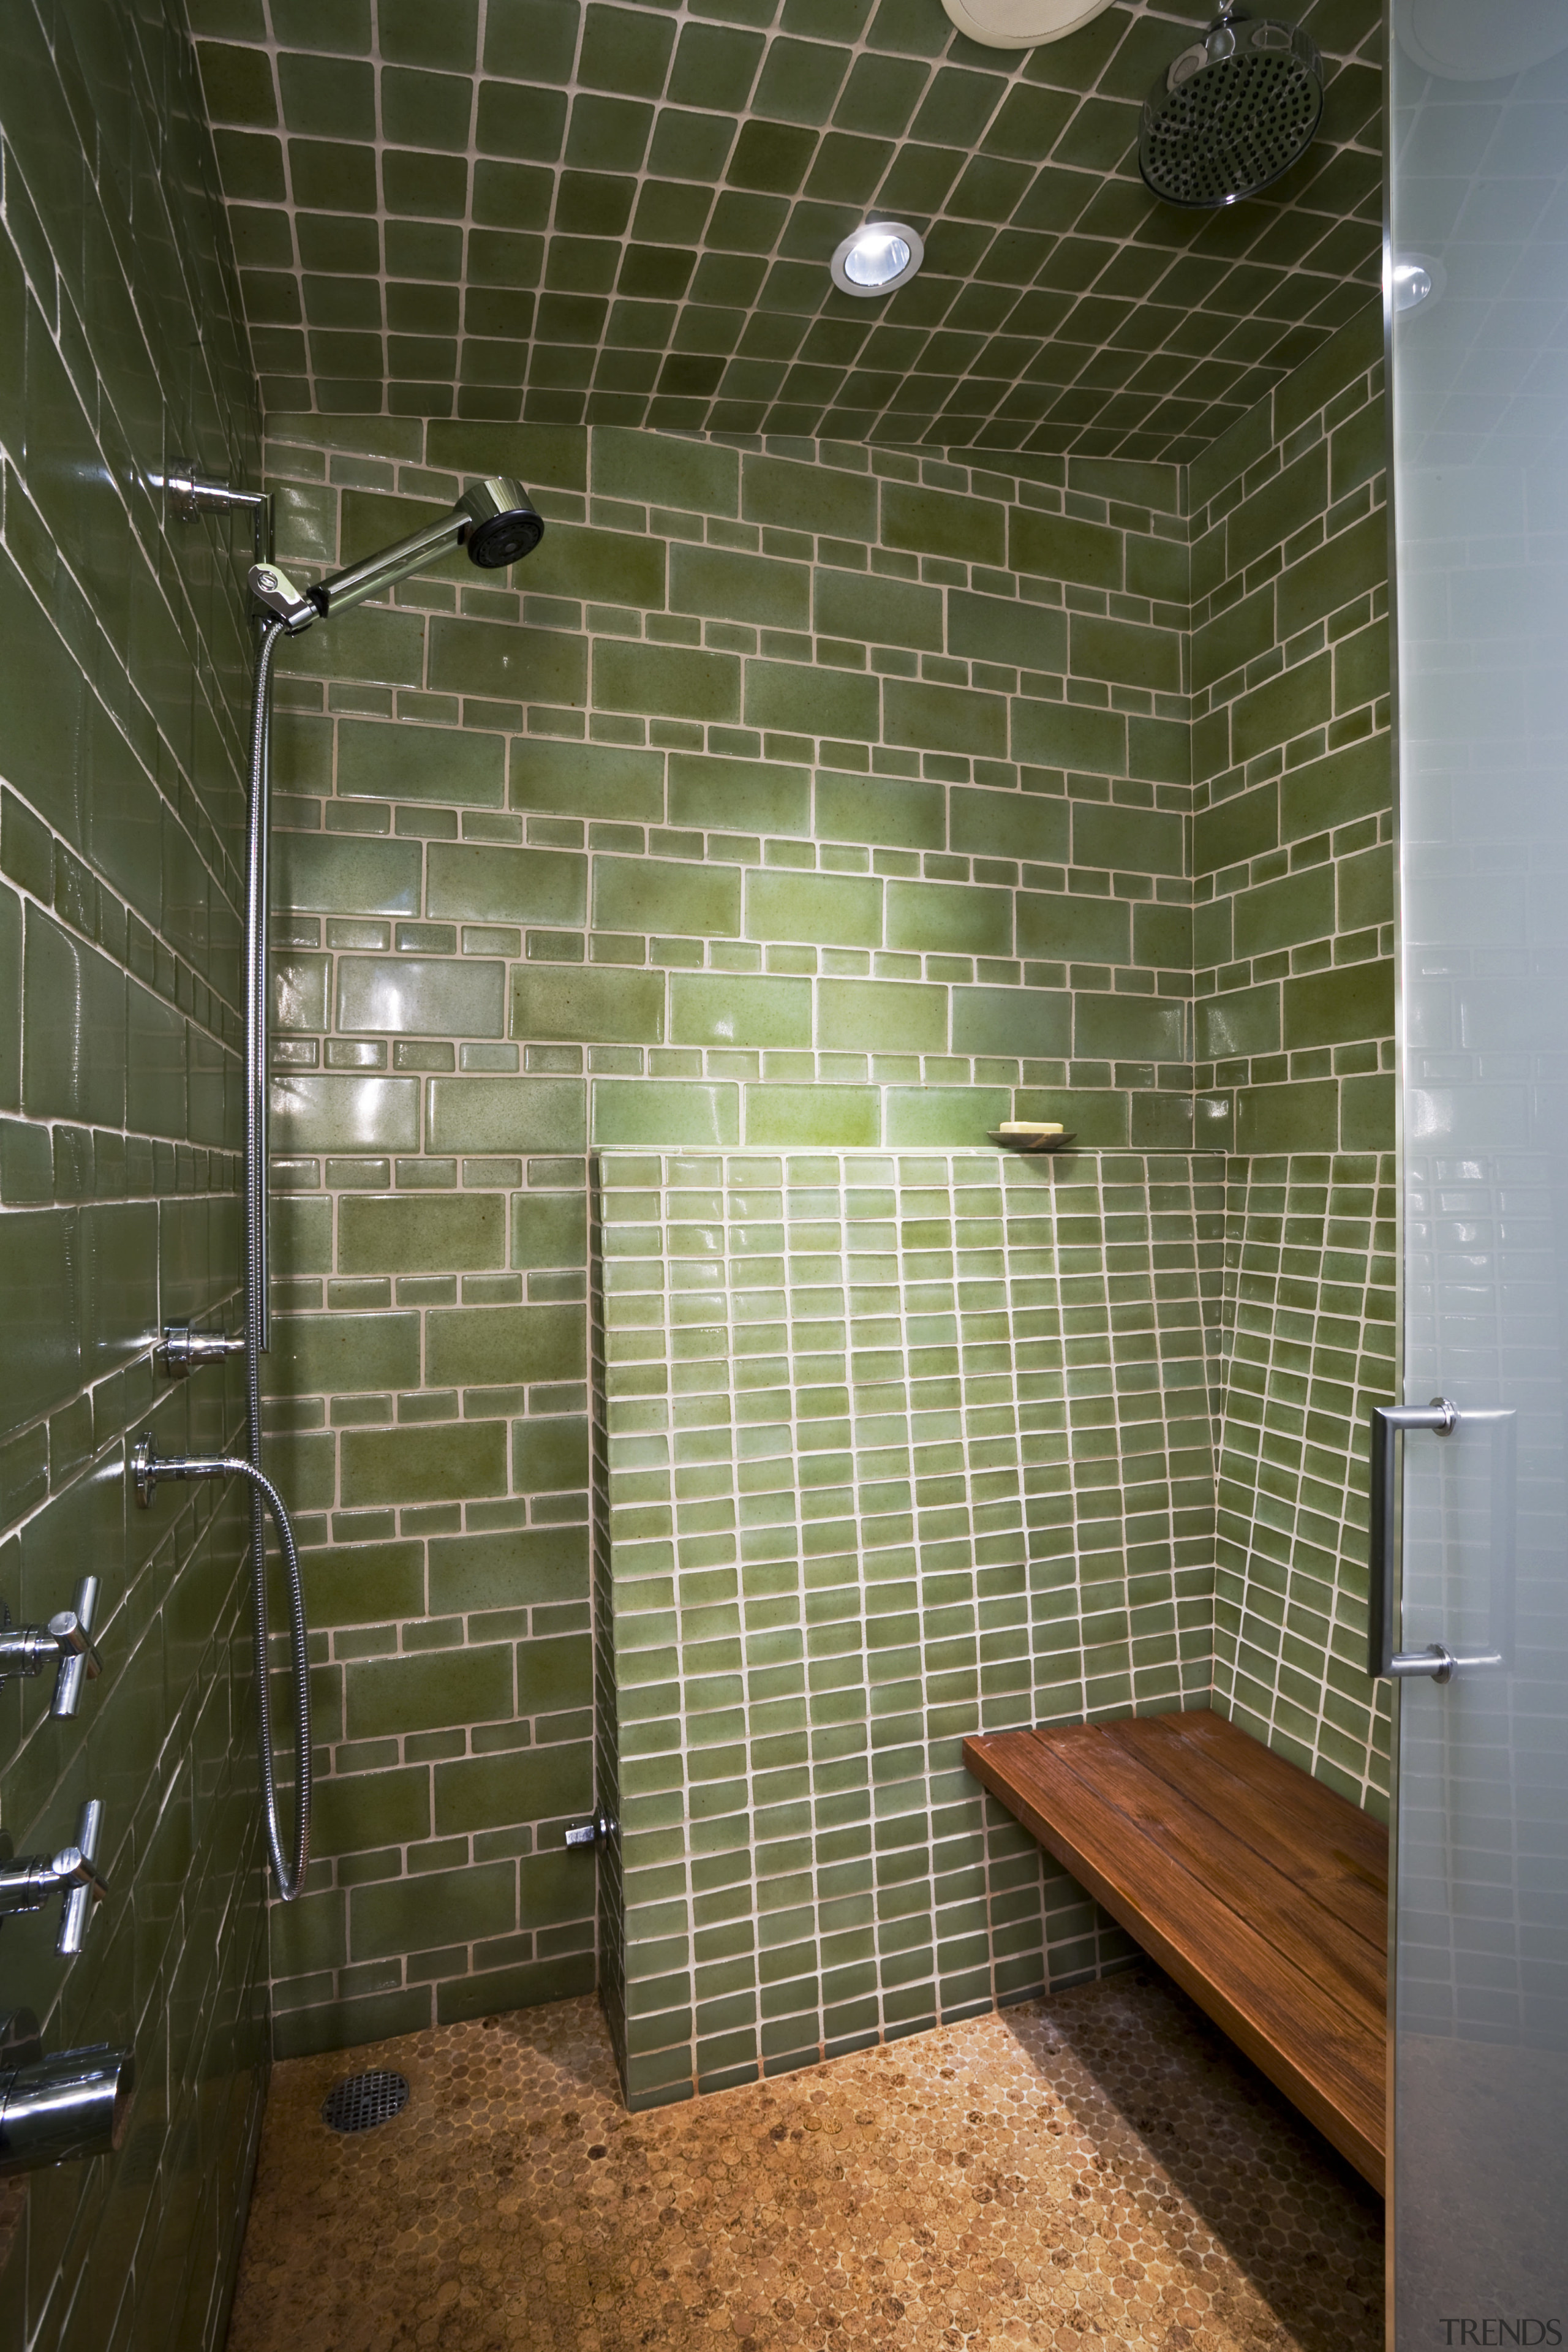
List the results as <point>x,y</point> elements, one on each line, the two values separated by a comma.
<point>360,2102</point>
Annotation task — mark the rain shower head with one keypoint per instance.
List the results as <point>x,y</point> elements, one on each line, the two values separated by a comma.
<point>1233,112</point>
<point>495,521</point>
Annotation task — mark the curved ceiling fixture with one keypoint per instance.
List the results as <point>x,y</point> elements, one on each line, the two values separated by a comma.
<point>1020,23</point>
<point>1461,42</point>
<point>877,258</point>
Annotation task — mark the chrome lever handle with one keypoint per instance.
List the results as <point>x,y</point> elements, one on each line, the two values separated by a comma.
<point>27,1885</point>
<point>66,1641</point>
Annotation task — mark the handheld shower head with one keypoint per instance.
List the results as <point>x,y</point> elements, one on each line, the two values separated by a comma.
<point>494,519</point>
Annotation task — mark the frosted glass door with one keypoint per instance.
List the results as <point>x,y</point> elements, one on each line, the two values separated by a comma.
<point>1478,174</point>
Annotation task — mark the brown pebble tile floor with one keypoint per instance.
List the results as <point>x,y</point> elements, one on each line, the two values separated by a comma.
<point>1098,2168</point>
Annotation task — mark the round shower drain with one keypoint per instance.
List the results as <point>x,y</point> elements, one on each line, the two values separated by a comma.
<point>360,2102</point>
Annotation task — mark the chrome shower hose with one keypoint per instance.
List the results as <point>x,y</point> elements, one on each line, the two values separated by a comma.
<point>264,1495</point>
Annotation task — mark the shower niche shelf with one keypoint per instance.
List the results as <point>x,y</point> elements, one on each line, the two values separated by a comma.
<point>1261,1892</point>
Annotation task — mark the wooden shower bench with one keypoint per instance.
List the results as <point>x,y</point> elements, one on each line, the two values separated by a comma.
<point>1261,1892</point>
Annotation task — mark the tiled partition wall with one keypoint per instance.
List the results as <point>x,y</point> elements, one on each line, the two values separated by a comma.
<point>1294,985</point>
<point>125,668</point>
<point>826,797</point>
<point>899,1446</point>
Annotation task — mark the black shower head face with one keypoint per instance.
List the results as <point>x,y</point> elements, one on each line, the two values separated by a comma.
<point>505,525</point>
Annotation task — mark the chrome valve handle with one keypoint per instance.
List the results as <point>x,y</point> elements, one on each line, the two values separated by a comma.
<point>65,1643</point>
<point>26,1883</point>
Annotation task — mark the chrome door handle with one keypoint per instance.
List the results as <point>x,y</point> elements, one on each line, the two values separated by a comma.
<point>1436,1660</point>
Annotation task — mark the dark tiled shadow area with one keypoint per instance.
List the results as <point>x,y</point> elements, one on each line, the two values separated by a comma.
<point>1084,2170</point>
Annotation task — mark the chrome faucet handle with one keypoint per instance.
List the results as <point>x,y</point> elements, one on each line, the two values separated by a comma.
<point>183,1351</point>
<point>27,1882</point>
<point>66,1641</point>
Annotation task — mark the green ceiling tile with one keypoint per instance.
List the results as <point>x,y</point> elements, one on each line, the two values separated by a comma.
<point>251,166</point>
<point>743,224</point>
<point>531,41</point>
<point>593,204</point>
<point>342,301</point>
<point>327,97</point>
<point>918,181</point>
<point>413,34</point>
<point>432,187</point>
<point>608,134</point>
<point>800,81</point>
<point>323,25</point>
<point>627,49</point>
<point>512,195</point>
<point>527,123</point>
<point>715,66</point>
<point>957,107</point>
<point>694,145</point>
<point>338,177</point>
<point>425,109</point>
<point>772,157</point>
<point>881,95</point>
<point>237,84</point>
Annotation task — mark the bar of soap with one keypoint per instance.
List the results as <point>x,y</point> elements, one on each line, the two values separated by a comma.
<point>1030,1126</point>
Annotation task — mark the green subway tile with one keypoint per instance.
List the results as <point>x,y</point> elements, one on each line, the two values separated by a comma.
<point>869,610</point>
<point>1056,547</point>
<point>421,996</point>
<point>385,648</point>
<point>655,895</point>
<point>500,885</point>
<point>543,457</point>
<point>507,663</point>
<point>37,1263</point>
<point>74,1028</point>
<point>1029,825</point>
<point>652,469</point>
<point>1279,914</point>
<point>1364,890</point>
<point>421,763</point>
<point>920,1117</point>
<point>420,1464</point>
<point>814,498</point>
<point>946,718</point>
<point>365,1809</point>
<point>738,795</point>
<point>1266,519</point>
<point>724,1009</point>
<point>825,1118</point>
<point>819,909</point>
<point>666,681</point>
<point>995,629</point>
<point>1127,1028</point>
<point>1072,929</point>
<point>506,1115</point>
<point>1304,1116</point>
<point>631,1112</point>
<point>589,780</point>
<point>799,698</point>
<point>1367,1113</point>
<point>949,918</point>
<point>515,1569</point>
<point>548,1230</point>
<point>733,587</point>
<point>320,1355</point>
<point>608,567</point>
<point>1130,841</point>
<point>344,1114</point>
<point>1069,735</point>
<point>882,1016</point>
<point>1291,704</point>
<point>1343,570</point>
<point>878,809</point>
<point>554,1674</point>
<point>359,1584</point>
<point>345,874</point>
<point>433,1234</point>
<point>467,1346</point>
<point>1163,936</point>
<point>1012,1020</point>
<point>1356,781</point>
<point>1128,653</point>
<point>1243,1021</point>
<point>587,1004</point>
<point>483,1792</point>
<point>549,1453</point>
<point>1245,826</point>
<point>931,522</point>
<point>456,1906</point>
<point>1331,1008</point>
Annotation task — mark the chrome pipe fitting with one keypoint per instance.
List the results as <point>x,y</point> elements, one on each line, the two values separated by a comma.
<point>57,2108</point>
<point>595,1835</point>
<point>28,1881</point>
<point>65,1643</point>
<point>183,1351</point>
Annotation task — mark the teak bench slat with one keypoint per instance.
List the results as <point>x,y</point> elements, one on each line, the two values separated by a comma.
<point>1261,1892</point>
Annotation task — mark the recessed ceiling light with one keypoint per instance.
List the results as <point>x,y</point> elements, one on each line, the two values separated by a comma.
<point>878,258</point>
<point>1020,23</point>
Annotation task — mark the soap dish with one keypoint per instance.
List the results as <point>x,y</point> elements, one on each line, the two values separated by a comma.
<point>1031,1135</point>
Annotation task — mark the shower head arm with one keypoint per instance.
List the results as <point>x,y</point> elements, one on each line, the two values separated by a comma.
<point>383,570</point>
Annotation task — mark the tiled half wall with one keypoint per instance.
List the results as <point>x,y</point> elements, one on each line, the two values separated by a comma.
<point>898,1447</point>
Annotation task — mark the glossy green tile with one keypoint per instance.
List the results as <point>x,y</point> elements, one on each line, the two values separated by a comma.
<point>549,1453</point>
<point>421,996</point>
<point>37,1268</point>
<point>592,780</point>
<point>1012,1020</point>
<point>1029,825</point>
<point>495,1792</point>
<point>513,1569</point>
<point>818,908</point>
<point>588,1006</point>
<point>1128,840</point>
<point>738,795</point>
<point>944,719</point>
<point>654,470</point>
<point>662,895</point>
<point>627,1112</point>
<point>371,1809</point>
<point>827,1116</point>
<point>483,1346</point>
<point>507,663</point>
<point>548,1230</point>
<point>321,1355</point>
<point>666,681</point>
<point>434,1233</point>
<point>859,1016</point>
<point>864,607</point>
<point>498,884</point>
<point>1278,914</point>
<point>614,567</point>
<point>878,809</point>
<point>806,700</point>
<point>506,1115</point>
<point>1068,928</point>
<point>74,1032</point>
<point>997,629</point>
<point>726,1009</point>
<point>1068,735</point>
<point>1059,547</point>
<point>346,874</point>
<point>446,1459</point>
<point>838,505</point>
<point>462,1906</point>
<point>1304,1116</point>
<point>1329,1008</point>
<point>734,587</point>
<point>949,918</point>
<point>934,1115</point>
<point>1128,1028</point>
<point>344,1114</point>
<point>420,763</point>
<point>1242,1022</point>
<point>931,522</point>
<point>358,1584</point>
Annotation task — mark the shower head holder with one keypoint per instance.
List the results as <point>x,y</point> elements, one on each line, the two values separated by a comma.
<point>495,522</point>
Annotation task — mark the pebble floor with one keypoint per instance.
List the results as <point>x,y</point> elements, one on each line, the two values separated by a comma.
<point>1098,2168</point>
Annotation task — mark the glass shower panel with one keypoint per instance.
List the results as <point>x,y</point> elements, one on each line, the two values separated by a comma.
<point>1478,291</point>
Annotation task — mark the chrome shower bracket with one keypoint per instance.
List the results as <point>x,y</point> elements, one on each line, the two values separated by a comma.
<point>277,592</point>
<point>183,1351</point>
<point>65,1643</point>
<point>27,1882</point>
<point>190,496</point>
<point>595,1835</point>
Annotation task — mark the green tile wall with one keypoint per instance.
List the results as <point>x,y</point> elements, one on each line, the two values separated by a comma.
<point>121,712</point>
<point>766,805</point>
<point>898,1446</point>
<point>1293,987</point>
